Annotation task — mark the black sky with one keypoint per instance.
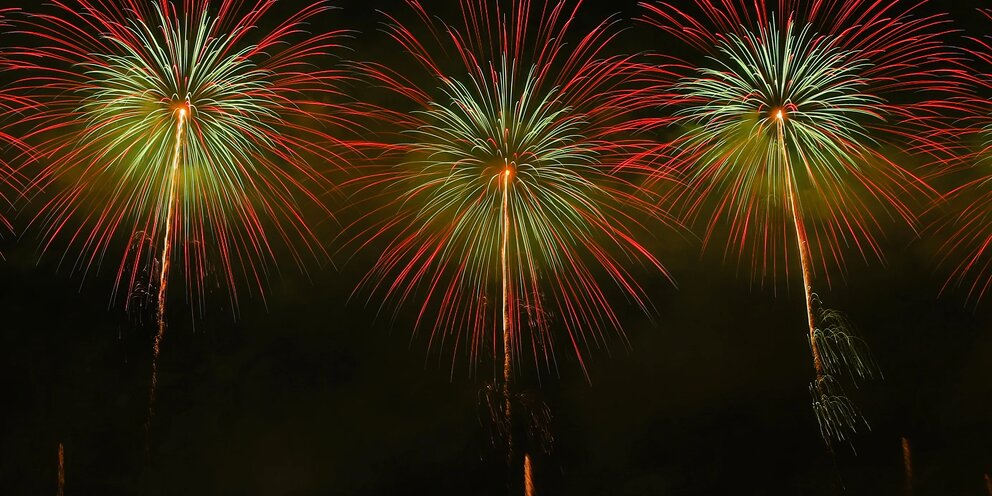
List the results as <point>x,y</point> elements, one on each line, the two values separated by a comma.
<point>313,395</point>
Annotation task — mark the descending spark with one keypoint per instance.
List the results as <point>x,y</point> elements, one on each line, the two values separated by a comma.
<point>782,125</point>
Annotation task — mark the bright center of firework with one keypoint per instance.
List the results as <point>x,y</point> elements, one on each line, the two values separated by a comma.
<point>509,170</point>
<point>779,115</point>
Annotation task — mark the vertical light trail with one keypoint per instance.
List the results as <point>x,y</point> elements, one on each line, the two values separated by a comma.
<point>163,278</point>
<point>508,341</point>
<point>907,461</point>
<point>529,489</point>
<point>507,323</point>
<point>803,245</point>
<point>61,481</point>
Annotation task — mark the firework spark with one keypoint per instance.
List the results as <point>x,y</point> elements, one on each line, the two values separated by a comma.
<point>179,130</point>
<point>512,178</point>
<point>784,129</point>
<point>10,179</point>
<point>968,234</point>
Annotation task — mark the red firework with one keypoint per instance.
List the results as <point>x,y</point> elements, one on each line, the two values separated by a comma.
<point>506,199</point>
<point>10,178</point>
<point>968,228</point>
<point>182,131</point>
<point>901,70</point>
<point>184,134</point>
<point>791,130</point>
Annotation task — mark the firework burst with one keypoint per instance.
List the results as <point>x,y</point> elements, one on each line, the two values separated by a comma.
<point>178,131</point>
<point>784,132</point>
<point>511,163</point>
<point>511,200</point>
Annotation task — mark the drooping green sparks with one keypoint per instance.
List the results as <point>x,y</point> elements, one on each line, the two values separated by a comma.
<point>776,118</point>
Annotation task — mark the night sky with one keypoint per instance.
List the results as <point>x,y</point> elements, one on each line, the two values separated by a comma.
<point>311,393</point>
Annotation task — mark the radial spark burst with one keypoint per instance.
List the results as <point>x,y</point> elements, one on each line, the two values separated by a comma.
<point>510,213</point>
<point>785,137</point>
<point>511,185</point>
<point>178,135</point>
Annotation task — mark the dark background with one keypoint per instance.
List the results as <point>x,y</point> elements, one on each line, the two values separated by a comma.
<point>312,394</point>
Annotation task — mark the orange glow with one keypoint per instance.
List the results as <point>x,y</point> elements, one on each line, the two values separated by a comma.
<point>779,115</point>
<point>528,477</point>
<point>181,109</point>
<point>508,171</point>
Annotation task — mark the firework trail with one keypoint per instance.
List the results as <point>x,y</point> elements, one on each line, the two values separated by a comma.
<point>505,293</point>
<point>182,130</point>
<point>907,462</point>
<point>529,489</point>
<point>60,488</point>
<point>784,127</point>
<point>512,175</point>
<point>167,241</point>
